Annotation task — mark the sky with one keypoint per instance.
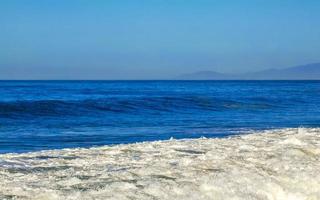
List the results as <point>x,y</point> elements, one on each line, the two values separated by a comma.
<point>154,39</point>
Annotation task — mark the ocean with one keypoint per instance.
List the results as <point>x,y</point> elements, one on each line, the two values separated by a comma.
<point>124,140</point>
<point>41,115</point>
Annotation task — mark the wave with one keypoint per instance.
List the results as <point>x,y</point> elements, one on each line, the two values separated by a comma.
<point>275,164</point>
<point>125,105</point>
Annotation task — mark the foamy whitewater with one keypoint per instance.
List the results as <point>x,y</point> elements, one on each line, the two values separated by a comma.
<point>274,164</point>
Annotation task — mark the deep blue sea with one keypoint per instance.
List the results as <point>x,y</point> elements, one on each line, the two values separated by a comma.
<point>38,115</point>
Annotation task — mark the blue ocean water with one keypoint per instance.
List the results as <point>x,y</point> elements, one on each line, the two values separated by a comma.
<point>38,115</point>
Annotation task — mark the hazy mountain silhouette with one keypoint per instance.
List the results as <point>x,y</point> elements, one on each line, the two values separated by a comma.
<point>303,72</point>
<point>205,75</point>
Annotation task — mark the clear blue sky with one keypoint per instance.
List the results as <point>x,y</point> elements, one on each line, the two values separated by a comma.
<point>150,39</point>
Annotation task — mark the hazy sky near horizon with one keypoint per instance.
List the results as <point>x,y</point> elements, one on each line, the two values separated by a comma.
<point>154,39</point>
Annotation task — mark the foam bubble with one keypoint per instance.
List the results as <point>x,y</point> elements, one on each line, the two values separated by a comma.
<point>275,165</point>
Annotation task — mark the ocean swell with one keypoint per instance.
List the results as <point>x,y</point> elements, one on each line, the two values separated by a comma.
<point>132,105</point>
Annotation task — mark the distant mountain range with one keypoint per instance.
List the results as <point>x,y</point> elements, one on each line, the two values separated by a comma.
<point>303,72</point>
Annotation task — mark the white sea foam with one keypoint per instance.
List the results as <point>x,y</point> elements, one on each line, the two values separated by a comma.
<point>275,165</point>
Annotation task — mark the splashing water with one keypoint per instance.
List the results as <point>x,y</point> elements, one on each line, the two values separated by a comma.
<point>272,165</point>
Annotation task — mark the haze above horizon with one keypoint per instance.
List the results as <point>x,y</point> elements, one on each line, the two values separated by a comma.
<point>154,39</point>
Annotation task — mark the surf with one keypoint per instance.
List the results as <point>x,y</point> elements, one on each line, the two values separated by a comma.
<point>274,165</point>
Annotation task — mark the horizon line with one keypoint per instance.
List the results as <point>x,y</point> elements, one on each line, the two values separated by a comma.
<point>42,80</point>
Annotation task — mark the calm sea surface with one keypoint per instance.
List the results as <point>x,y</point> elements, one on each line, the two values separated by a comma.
<point>37,115</point>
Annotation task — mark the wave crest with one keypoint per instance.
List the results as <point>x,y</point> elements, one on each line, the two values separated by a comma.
<point>122,105</point>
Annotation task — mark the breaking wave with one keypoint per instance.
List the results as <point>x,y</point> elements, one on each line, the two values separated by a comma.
<point>275,164</point>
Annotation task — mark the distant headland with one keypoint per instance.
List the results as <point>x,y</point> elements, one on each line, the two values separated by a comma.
<point>302,72</point>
